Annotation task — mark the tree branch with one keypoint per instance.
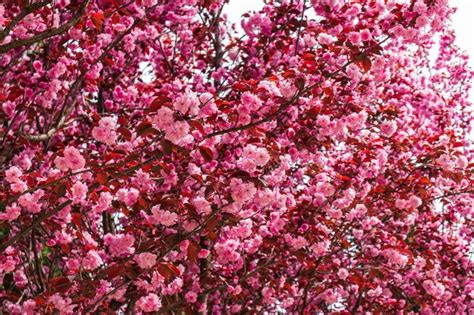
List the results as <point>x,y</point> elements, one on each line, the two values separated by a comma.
<point>46,34</point>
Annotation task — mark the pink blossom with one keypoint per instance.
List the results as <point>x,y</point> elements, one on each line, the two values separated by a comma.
<point>259,155</point>
<point>325,39</point>
<point>342,273</point>
<point>92,260</point>
<point>388,128</point>
<point>191,297</point>
<point>241,192</point>
<point>146,260</point>
<point>251,101</point>
<point>414,202</point>
<point>177,132</point>
<point>31,201</point>
<point>202,206</point>
<point>149,303</point>
<point>325,188</point>
<point>163,217</point>
<point>105,132</point>
<point>72,160</point>
<point>12,212</point>
<point>13,174</point>
<point>187,102</point>
<point>19,186</point>
<point>128,196</point>
<point>79,192</point>
<point>435,289</point>
<point>120,244</point>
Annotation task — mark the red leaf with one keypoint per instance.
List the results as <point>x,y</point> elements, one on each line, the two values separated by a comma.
<point>156,104</point>
<point>193,250</point>
<point>239,86</point>
<point>125,132</point>
<point>98,19</point>
<point>102,178</point>
<point>365,63</point>
<point>196,124</point>
<point>206,153</point>
<point>168,270</point>
<point>60,284</point>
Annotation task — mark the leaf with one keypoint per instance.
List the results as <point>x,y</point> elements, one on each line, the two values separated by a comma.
<point>364,63</point>
<point>167,146</point>
<point>98,19</point>
<point>168,270</point>
<point>206,153</point>
<point>197,125</point>
<point>101,178</point>
<point>299,83</point>
<point>193,250</point>
<point>343,177</point>
<point>156,104</point>
<point>60,190</point>
<point>239,86</point>
<point>60,284</point>
<point>125,132</point>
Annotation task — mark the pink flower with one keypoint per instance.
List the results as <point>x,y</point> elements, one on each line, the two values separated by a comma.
<point>164,118</point>
<point>177,132</point>
<point>414,202</point>
<point>163,217</point>
<point>319,249</point>
<point>395,258</point>
<point>434,289</point>
<point>202,206</point>
<point>12,212</point>
<point>354,38</point>
<point>105,132</point>
<point>19,186</point>
<point>258,155</point>
<point>462,162</point>
<point>330,297</point>
<point>298,242</point>
<point>251,101</point>
<point>72,160</point>
<point>227,251</point>
<point>388,128</point>
<point>146,260</point>
<point>31,202</point>
<point>64,305</point>
<point>326,39</point>
<point>203,253</point>
<point>323,121</point>
<point>191,297</point>
<point>187,102</point>
<point>325,188</point>
<point>287,89</point>
<point>149,303</point>
<point>365,35</point>
<point>445,162</point>
<point>342,273</point>
<point>120,244</point>
<point>79,192</point>
<point>241,192</point>
<point>13,174</point>
<point>92,260</point>
<point>128,196</point>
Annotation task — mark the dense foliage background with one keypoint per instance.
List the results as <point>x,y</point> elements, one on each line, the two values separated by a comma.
<point>155,159</point>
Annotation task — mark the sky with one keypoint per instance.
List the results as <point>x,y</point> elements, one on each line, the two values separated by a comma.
<point>463,23</point>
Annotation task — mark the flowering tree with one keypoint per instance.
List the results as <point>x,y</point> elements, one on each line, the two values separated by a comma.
<point>155,158</point>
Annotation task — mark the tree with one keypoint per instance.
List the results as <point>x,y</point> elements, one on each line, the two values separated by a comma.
<point>157,159</point>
